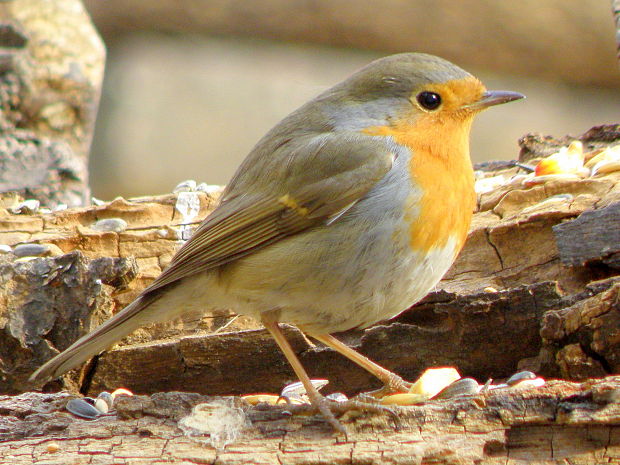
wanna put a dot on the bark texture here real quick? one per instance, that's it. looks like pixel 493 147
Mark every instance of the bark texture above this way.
pixel 561 423
pixel 51 70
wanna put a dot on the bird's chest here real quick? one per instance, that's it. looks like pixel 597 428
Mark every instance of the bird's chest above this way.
pixel 442 201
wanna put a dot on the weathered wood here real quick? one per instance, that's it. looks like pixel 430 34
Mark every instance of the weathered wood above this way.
pixel 508 303
pixel 522 45
pixel 52 62
pixel 559 423
pixel 47 303
pixel 537 145
pixel 581 341
pixel 592 237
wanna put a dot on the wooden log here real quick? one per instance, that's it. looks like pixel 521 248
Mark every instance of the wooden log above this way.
pixel 484 319
pixel 522 45
pixel 559 423
pixel 52 62
pixel 592 237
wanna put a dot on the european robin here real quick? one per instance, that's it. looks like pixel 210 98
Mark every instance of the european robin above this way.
pixel 344 214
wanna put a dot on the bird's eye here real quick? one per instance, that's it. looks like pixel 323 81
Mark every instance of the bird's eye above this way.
pixel 429 100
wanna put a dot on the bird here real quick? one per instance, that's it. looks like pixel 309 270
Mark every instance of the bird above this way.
pixel 346 213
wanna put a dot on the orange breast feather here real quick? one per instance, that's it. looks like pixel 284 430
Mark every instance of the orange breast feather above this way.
pixel 441 168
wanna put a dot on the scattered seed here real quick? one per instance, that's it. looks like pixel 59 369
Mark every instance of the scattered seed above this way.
pixel 337 396
pixel 434 380
pixel 569 160
pixel 520 376
pixel 107 398
pixel 185 186
pixel 101 405
pixel 461 387
pixel 27 207
pixel 82 408
pixel 298 391
pixel 208 188
pixel 405 398
pixel 121 392
pixel 110 224
pixel 31 250
pixel 529 383
pixel 53 447
pixel 271 399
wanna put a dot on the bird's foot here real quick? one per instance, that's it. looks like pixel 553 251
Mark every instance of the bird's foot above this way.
pixel 329 408
pixel 394 385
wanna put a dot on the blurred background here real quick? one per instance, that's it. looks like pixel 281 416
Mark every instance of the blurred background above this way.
pixel 191 85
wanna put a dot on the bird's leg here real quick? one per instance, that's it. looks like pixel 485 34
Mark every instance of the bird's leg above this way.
pixel 317 400
pixel 391 381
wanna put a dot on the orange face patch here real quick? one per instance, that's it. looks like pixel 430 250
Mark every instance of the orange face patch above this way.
pixel 456 93
pixel 440 165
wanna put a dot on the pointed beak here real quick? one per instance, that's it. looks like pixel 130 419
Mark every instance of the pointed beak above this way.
pixel 494 97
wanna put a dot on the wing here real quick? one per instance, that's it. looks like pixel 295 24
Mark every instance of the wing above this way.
pixel 306 182
pixel 309 182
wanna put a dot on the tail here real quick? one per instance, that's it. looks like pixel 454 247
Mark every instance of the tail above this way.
pixel 127 320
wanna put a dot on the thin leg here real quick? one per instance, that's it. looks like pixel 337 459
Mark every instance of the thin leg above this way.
pixel 392 381
pixel 317 400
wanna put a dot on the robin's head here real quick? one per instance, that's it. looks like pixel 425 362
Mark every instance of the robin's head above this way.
pixel 409 86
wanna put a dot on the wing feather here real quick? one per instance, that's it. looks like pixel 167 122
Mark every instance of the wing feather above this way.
pixel 247 221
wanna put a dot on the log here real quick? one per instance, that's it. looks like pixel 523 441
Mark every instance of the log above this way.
pixel 524 44
pixel 485 335
pixel 51 63
pixel 593 236
pixel 559 423
pixel 484 317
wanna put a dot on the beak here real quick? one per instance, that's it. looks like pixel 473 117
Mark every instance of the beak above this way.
pixel 494 97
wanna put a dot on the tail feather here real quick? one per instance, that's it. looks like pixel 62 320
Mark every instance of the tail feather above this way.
pixel 117 327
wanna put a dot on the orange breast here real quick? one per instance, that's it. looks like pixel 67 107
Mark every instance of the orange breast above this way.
pixel 441 168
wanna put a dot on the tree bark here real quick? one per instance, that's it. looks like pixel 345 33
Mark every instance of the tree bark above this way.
pixel 51 71
pixel 560 423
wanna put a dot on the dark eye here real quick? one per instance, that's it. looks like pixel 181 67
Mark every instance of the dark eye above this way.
pixel 429 100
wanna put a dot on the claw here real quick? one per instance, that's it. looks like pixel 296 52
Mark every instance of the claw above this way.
pixel 394 385
pixel 328 408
